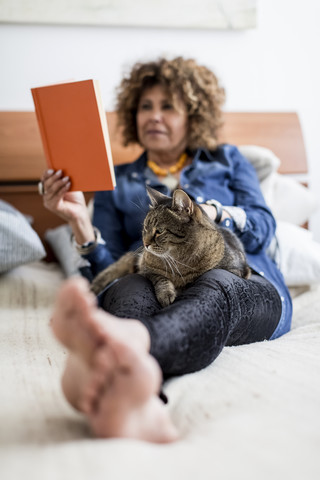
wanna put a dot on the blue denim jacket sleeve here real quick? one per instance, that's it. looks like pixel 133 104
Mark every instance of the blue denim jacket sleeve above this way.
pixel 108 221
pixel 260 224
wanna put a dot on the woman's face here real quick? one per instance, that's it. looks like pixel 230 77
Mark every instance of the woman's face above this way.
pixel 161 127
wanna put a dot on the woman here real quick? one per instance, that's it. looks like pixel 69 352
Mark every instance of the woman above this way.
pixel 115 367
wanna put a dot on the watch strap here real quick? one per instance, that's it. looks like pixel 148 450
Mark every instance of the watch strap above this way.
pixel 218 207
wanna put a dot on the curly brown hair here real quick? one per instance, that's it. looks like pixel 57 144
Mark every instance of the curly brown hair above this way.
pixel 196 85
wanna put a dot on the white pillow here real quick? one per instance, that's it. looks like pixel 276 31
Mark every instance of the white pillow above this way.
pixel 264 160
pixel 299 255
pixel 19 243
pixel 289 200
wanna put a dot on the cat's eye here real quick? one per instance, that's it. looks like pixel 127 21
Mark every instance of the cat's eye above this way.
pixel 178 235
pixel 159 231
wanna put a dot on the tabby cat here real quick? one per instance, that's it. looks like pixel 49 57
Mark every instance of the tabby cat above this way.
pixel 180 243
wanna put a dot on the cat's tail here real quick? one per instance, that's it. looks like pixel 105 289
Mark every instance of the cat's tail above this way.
pixel 246 271
pixel 125 265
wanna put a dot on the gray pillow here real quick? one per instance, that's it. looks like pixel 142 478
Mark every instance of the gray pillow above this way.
pixel 19 243
pixel 59 239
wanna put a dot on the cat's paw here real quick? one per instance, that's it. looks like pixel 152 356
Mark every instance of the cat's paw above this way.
pixel 166 298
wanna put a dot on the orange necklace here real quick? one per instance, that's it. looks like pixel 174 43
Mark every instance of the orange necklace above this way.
pixel 163 172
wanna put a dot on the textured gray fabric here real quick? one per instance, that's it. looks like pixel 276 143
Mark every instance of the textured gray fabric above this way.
pixel 238 215
pixel 19 243
pixel 59 239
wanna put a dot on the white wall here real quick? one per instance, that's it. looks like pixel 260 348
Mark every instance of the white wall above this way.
pixel 274 67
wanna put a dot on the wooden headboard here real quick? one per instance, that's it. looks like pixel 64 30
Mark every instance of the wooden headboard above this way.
pixel 22 159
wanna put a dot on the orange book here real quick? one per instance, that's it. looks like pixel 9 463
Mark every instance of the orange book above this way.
pixel 74 133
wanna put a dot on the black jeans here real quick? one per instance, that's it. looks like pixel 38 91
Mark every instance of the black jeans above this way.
pixel 218 309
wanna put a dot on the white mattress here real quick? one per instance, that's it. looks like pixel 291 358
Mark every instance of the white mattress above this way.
pixel 254 414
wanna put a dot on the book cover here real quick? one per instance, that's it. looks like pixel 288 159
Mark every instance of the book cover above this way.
pixel 74 133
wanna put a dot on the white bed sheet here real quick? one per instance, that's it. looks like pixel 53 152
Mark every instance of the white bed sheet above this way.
pixel 253 414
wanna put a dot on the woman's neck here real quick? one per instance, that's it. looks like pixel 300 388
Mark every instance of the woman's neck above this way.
pixel 165 159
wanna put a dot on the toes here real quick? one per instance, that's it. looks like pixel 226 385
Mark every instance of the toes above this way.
pixel 102 377
pixel 92 392
pixel 119 376
pixel 76 322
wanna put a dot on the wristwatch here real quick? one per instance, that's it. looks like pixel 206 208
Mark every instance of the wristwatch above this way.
pixel 87 247
pixel 218 207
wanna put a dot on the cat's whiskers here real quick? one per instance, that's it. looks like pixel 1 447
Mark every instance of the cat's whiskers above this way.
pixel 138 250
pixel 183 264
pixel 139 207
pixel 166 263
pixel 172 262
pixel 163 257
pixel 172 266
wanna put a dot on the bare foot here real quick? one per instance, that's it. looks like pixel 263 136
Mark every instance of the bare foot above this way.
pixel 72 311
pixel 110 375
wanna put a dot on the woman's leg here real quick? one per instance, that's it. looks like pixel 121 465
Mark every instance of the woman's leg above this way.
pixel 218 309
pixel 112 377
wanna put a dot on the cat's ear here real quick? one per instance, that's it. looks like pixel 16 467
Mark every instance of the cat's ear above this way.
pixel 155 196
pixel 182 202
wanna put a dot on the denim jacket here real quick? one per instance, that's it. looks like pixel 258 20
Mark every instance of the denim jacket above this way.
pixel 224 175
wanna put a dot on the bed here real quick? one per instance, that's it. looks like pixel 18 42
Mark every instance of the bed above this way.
pixel 253 414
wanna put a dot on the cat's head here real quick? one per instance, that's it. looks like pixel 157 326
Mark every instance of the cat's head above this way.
pixel 171 222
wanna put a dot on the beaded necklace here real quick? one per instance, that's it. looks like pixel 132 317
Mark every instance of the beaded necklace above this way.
pixel 163 172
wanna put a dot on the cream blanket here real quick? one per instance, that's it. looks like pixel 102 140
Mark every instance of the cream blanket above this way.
pixel 254 414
